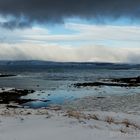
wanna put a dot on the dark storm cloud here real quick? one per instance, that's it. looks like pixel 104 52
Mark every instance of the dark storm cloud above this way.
pixel 14 24
pixel 55 11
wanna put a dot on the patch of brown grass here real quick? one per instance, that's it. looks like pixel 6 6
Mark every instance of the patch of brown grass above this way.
pixel 79 115
pixel 75 114
pixel 127 123
pixel 109 120
pixel 94 117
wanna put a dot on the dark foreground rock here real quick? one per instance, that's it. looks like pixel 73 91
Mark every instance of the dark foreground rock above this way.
pixel 14 96
pixel 7 75
pixel 104 84
pixel 131 80
pixel 120 82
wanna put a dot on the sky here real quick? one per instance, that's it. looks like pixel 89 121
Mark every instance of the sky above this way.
pixel 70 30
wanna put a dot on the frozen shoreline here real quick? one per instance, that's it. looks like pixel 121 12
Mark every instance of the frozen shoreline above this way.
pixel 56 124
pixel 88 118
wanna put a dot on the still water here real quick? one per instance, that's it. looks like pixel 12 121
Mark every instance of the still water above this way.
pixel 56 84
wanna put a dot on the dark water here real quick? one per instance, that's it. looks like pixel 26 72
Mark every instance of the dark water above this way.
pixel 55 83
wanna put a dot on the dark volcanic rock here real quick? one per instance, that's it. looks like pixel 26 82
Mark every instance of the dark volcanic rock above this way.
pixel 14 96
pixel 103 84
pixel 121 82
pixel 132 80
pixel 7 75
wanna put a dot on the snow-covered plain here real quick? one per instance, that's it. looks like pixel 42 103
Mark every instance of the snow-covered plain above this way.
pixel 44 124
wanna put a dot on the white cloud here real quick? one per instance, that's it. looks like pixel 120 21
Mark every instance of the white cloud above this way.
pixel 83 33
pixel 106 32
pixel 51 52
pixel 39 44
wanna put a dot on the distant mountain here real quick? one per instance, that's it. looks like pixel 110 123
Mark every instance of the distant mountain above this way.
pixel 36 63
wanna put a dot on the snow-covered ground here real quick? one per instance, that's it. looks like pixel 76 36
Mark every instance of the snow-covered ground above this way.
pixel 89 118
pixel 42 124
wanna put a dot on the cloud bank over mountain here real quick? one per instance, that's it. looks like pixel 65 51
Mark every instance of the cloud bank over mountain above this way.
pixel 49 52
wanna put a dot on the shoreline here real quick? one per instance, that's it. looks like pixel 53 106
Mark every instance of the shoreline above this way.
pixel 90 117
pixel 60 123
